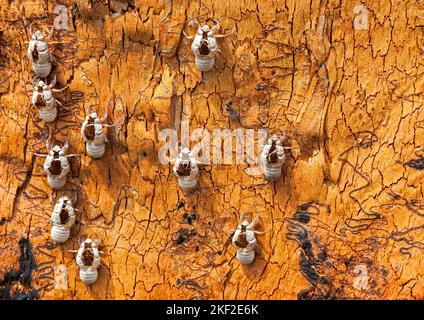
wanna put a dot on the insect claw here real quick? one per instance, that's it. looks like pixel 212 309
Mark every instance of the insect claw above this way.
pixel 216 27
pixel 255 220
pixel 65 146
pixel 78 117
pixel 60 103
pixel 97 242
pixel 53 83
pixel 194 23
pixel 105 116
pixel 80 240
pixel 187 37
pixel 242 216
pixel 50 34
pixel 30 28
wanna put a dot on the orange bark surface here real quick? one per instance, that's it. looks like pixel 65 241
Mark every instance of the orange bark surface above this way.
pixel 344 82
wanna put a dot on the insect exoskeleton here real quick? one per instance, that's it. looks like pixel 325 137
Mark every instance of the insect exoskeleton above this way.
pixel 39 54
pixel 62 219
pixel 94 137
pixel 44 100
pixel 244 239
pixel 273 158
pixel 204 45
pixel 57 165
pixel 186 169
pixel 88 260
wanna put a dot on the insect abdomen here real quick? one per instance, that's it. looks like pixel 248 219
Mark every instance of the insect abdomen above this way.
pixel 205 63
pixel 88 275
pixel 187 183
pixel 48 114
pixel 42 69
pixel 272 172
pixel 245 256
pixel 95 150
pixel 60 234
pixel 56 183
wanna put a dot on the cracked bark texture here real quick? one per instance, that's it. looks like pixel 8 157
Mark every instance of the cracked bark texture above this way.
pixel 350 99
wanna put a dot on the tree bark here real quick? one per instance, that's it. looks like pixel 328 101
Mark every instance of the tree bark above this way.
pixel 342 80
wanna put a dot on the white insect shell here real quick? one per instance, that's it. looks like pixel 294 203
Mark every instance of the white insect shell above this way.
pixel 272 170
pixel 205 62
pixel 95 147
pixel 39 54
pixel 186 182
pixel 246 254
pixel 61 229
pixel 55 180
pixel 48 107
pixel 88 273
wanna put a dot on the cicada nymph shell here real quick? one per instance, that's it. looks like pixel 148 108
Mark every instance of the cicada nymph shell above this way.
pixel 273 158
pixel 94 137
pixel 44 100
pixel 186 169
pixel 204 45
pixel 62 219
pixel 88 260
pixel 40 56
pixel 244 239
pixel 57 167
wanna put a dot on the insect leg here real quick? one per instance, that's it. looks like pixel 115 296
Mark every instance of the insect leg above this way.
pixel 60 90
pixel 220 36
pixel 188 37
pixel 40 155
